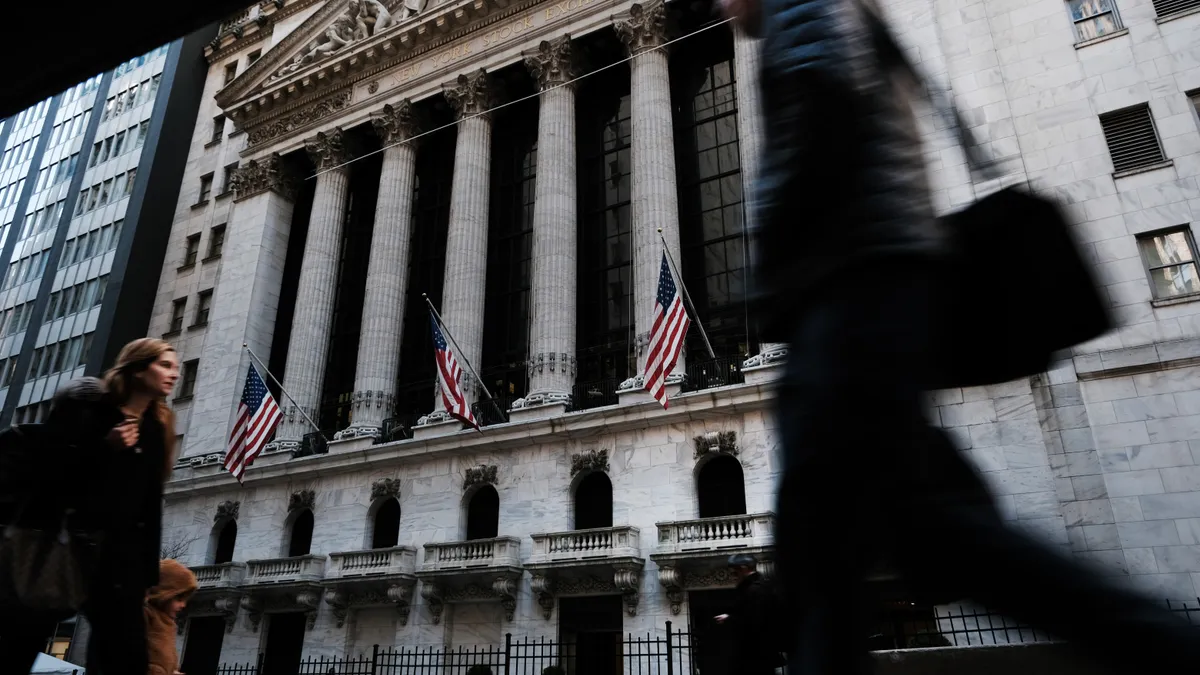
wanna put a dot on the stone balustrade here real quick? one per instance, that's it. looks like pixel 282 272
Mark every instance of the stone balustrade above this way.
pixel 286 570
pixel 375 562
pixel 496 552
pixel 224 575
pixel 602 542
pixel 712 534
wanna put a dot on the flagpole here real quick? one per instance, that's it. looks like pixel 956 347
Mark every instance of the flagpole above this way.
pixel 686 296
pixel 458 349
pixel 254 357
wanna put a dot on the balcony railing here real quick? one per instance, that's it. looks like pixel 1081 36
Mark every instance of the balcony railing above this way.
pixel 398 427
pixel 497 552
pixel 595 394
pixel 377 562
pixel 286 570
pixel 223 575
pixel 314 443
pixel 713 373
pixel 492 411
pixel 598 543
pixel 724 532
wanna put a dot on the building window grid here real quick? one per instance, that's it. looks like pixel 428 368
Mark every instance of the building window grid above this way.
pixel 187 380
pixel 1169 257
pixel 191 250
pixel 216 242
pixel 605 281
pixel 178 312
pixel 1132 138
pixel 1094 18
pixel 203 308
pixel 206 183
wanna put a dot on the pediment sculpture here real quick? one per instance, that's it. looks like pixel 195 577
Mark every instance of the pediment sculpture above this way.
pixel 362 19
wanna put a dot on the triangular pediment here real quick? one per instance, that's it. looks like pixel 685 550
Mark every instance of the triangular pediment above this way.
pixel 337 28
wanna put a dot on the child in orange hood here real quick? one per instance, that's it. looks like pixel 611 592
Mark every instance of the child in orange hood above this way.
pixel 176 584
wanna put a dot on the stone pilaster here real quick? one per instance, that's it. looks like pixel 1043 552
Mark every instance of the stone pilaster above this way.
pixel 387 274
pixel 747 57
pixel 245 300
pixel 466 240
pixel 552 324
pixel 313 319
pixel 655 200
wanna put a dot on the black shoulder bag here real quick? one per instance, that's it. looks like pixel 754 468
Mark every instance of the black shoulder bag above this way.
pixel 1015 290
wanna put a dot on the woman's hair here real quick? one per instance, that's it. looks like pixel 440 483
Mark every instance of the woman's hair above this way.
pixel 120 381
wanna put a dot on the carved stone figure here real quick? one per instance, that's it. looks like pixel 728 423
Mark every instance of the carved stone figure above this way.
pixel 645 28
pixel 372 18
pixel 412 8
pixel 362 19
pixel 552 65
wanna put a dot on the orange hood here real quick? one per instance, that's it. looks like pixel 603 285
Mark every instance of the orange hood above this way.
pixel 174 579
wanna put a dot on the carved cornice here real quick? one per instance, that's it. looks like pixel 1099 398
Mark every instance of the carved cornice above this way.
pixel 480 475
pixel 260 175
pixel 388 487
pixel 645 28
pixel 554 62
pixel 327 150
pixel 395 123
pixel 589 461
pixel 302 499
pixel 303 117
pixel 227 511
pixel 471 93
pixel 724 442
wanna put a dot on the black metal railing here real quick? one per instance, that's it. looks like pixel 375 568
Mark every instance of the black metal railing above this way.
pixel 314 443
pixel 595 394
pixel 489 411
pixel 239 668
pixel 398 427
pixel 712 373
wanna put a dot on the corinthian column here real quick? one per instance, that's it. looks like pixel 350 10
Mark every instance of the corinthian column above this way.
pixel 387 273
pixel 552 325
pixel 466 240
pixel 312 322
pixel 655 201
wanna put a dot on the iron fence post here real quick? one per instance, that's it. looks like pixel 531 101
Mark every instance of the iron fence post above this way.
pixel 507 652
pixel 259 668
pixel 670 657
pixel 374 659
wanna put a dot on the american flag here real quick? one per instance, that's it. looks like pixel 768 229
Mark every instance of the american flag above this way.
pixel 448 374
pixel 257 416
pixel 666 335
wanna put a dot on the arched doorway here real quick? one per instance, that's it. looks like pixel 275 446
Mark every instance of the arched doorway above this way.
pixel 594 502
pixel 385 531
pixel 483 514
pixel 226 539
pixel 300 541
pixel 721 488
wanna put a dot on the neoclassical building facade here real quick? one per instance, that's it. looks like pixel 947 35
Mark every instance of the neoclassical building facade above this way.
pixel 521 165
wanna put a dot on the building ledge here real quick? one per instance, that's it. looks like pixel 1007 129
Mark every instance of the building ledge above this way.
pixel 372 578
pixel 1144 169
pixel 200 204
pixel 471 571
pixel 1140 359
pixel 1175 300
pixel 1177 15
pixel 694 554
pixel 1102 38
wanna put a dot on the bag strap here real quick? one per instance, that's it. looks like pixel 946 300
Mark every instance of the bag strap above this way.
pixel 892 54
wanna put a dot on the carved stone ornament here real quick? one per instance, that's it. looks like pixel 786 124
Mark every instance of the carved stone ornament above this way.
pixel 388 487
pixel 432 593
pixel 480 475
pixel 303 499
pixel 362 19
pixel 645 28
pixel 471 94
pixel 373 87
pixel 395 123
pixel 327 150
pixel 543 587
pixel 768 357
pixel 227 511
pixel 628 580
pixel 724 442
pixel 303 117
pixel 593 460
pixel 261 175
pixel 672 581
pixel 553 64
pixel 506 588
pixel 560 361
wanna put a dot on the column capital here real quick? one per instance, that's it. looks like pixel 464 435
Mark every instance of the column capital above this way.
pixel 645 28
pixel 471 93
pixel 553 63
pixel 261 175
pixel 395 123
pixel 327 150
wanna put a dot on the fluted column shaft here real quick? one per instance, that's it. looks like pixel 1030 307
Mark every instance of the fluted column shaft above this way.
pixel 313 319
pixel 655 200
pixel 552 324
pixel 387 272
pixel 465 278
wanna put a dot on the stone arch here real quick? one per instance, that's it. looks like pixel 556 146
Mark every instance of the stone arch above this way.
pixel 384 519
pixel 592 501
pixel 720 486
pixel 298 532
pixel 481 512
pixel 222 541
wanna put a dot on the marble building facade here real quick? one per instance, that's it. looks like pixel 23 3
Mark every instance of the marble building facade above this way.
pixel 367 153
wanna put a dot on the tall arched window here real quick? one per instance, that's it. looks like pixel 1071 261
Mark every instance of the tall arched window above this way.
pixel 226 538
pixel 594 502
pixel 385 531
pixel 483 514
pixel 721 488
pixel 300 543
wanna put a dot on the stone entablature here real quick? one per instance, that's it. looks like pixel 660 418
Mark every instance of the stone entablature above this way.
pixel 417 56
